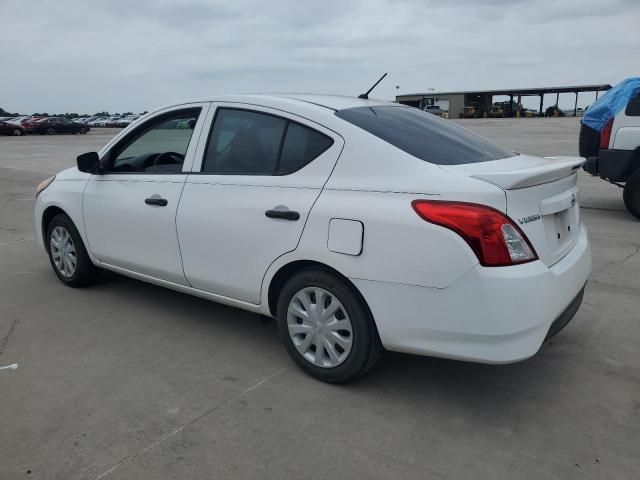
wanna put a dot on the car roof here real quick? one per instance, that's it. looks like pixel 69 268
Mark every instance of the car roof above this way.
pixel 334 102
pixel 331 102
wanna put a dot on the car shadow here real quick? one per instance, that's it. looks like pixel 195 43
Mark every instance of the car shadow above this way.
pixel 480 387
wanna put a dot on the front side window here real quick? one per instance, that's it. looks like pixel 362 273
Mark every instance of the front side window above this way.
pixel 158 146
pixel 423 135
pixel 245 142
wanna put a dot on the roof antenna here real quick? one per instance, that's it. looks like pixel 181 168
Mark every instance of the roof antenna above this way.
pixel 366 95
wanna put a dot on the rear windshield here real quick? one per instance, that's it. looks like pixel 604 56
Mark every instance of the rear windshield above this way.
pixel 423 135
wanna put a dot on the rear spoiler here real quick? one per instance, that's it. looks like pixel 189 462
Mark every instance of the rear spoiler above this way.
pixel 560 167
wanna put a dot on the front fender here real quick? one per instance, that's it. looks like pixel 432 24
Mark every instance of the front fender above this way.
pixel 67 195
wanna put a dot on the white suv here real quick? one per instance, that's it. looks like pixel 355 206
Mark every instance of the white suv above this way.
pixel 357 224
pixel 614 153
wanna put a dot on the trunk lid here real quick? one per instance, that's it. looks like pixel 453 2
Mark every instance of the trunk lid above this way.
pixel 542 198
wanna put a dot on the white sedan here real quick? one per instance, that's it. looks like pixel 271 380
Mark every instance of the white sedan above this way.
pixel 360 225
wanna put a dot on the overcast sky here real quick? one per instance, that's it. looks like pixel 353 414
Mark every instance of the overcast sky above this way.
pixel 88 56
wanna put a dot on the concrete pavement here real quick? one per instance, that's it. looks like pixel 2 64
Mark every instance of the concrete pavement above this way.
pixel 126 380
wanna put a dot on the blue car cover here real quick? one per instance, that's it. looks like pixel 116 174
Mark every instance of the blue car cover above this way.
pixel 611 103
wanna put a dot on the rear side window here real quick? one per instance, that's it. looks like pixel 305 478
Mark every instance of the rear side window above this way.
pixel 633 107
pixel 423 135
pixel 244 142
pixel 301 145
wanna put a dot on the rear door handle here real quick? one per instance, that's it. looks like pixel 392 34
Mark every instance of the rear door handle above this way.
pixel 282 213
pixel 161 202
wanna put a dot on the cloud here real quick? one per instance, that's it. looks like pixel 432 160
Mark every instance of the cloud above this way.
pixel 124 55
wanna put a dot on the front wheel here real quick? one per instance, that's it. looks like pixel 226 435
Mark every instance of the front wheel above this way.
pixel 67 253
pixel 50 131
pixel 17 132
pixel 631 194
pixel 326 327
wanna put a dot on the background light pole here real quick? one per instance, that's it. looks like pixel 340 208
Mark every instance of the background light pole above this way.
pixel 397 91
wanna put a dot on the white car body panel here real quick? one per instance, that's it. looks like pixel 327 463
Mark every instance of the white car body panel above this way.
pixel 398 246
pixel 345 236
pixel 490 315
pixel 627 138
pixel 424 285
pixel 125 232
pixel 625 132
pixel 542 197
pixel 66 193
pixel 213 238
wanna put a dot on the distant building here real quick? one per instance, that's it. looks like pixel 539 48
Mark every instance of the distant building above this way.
pixel 480 103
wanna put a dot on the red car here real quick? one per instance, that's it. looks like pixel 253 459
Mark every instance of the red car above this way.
pixel 11 129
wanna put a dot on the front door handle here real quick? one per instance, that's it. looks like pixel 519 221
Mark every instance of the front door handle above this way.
pixel 159 201
pixel 280 212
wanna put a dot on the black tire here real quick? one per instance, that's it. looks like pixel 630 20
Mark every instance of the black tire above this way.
pixel 17 132
pixel 51 131
pixel 366 346
pixel 631 194
pixel 85 272
pixel 83 130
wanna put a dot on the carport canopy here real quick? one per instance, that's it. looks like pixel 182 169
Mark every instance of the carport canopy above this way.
pixel 513 93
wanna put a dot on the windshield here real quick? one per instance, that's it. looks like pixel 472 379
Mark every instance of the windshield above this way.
pixel 423 135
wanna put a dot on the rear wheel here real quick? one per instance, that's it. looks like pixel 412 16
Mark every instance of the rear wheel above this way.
pixel 50 131
pixel 326 327
pixel 83 130
pixel 17 132
pixel 631 194
pixel 67 253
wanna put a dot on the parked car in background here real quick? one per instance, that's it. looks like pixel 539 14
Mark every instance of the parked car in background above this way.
pixel 124 122
pixel 24 121
pixel 449 245
pixel 553 111
pixel 610 140
pixel 434 110
pixel 19 120
pixel 112 122
pixel 27 123
pixel 469 112
pixel 129 120
pixel 496 112
pixel 7 128
pixel 84 120
pixel 53 125
pixel 97 122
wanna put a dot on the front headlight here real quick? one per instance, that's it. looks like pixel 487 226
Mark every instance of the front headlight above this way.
pixel 44 184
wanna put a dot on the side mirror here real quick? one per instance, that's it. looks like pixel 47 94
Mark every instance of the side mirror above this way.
pixel 89 163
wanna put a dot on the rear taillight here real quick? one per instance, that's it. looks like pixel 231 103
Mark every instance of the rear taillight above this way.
pixel 605 134
pixel 493 237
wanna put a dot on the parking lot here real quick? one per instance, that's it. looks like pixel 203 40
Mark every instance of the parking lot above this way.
pixel 126 380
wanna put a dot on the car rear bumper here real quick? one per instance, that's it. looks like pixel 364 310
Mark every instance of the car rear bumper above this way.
pixel 615 165
pixel 490 315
